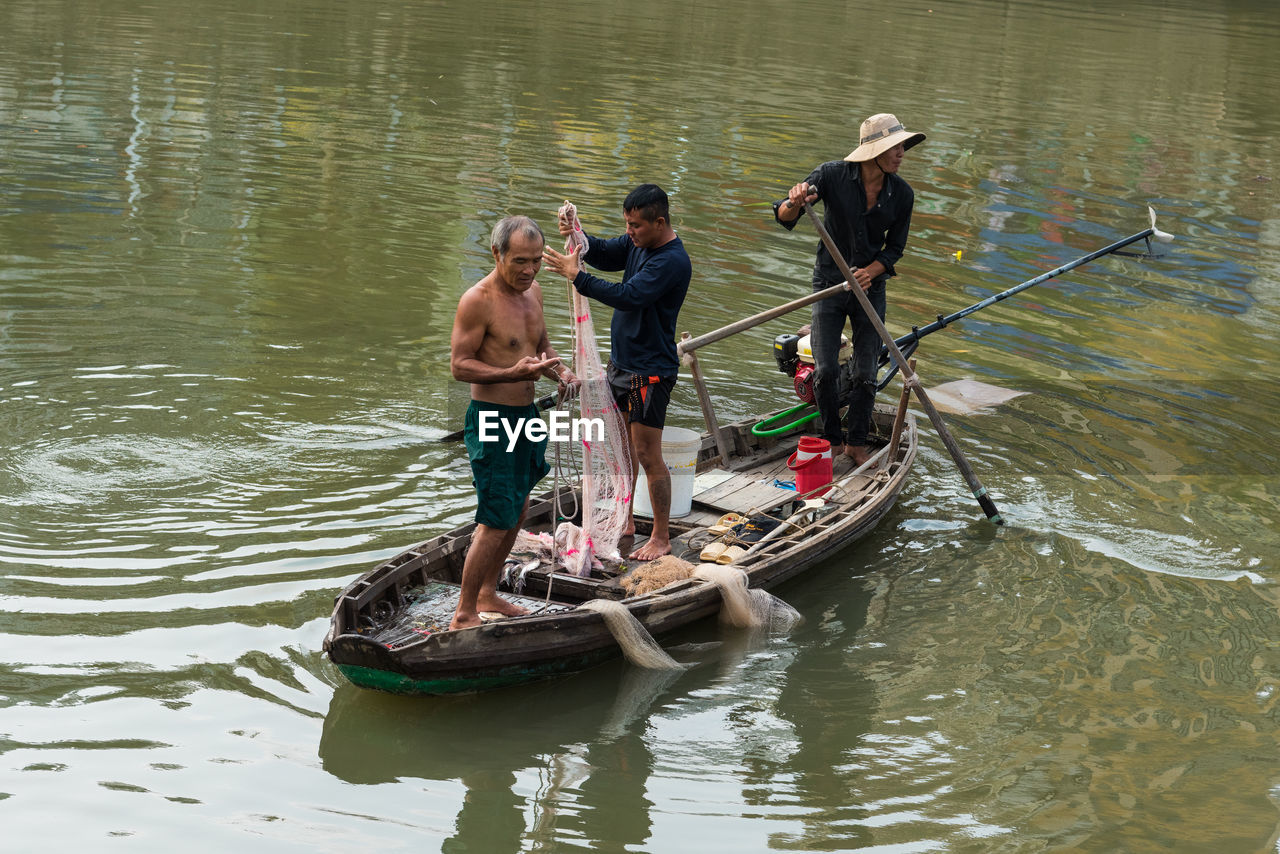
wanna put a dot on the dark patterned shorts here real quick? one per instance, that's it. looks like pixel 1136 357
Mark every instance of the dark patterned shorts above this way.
pixel 644 399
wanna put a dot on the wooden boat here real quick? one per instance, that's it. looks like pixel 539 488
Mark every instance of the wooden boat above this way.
pixel 389 628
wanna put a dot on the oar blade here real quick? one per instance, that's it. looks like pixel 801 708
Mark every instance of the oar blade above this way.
pixel 1162 236
pixel 969 397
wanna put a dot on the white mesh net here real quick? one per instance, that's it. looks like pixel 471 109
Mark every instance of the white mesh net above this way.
pixel 606 465
pixel 637 644
pixel 746 607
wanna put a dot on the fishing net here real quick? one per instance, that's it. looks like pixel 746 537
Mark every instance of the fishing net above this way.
pixel 426 609
pixel 606 464
pixel 745 607
pixel 655 575
pixel 637 644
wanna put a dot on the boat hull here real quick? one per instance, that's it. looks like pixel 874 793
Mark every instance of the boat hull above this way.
pixel 570 639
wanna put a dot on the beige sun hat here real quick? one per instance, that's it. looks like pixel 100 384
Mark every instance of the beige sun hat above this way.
pixel 880 133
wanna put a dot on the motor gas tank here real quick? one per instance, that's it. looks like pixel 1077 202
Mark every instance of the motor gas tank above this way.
pixel 805 352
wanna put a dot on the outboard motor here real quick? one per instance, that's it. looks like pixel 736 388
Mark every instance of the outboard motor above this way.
pixel 786 352
pixel 795 359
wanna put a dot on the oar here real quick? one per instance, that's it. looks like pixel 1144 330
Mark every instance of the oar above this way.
pixel 543 405
pixel 909 377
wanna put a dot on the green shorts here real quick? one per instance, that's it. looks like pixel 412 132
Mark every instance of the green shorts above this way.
pixel 503 479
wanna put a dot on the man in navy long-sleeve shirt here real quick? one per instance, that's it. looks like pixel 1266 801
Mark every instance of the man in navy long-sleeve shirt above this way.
pixel 643 364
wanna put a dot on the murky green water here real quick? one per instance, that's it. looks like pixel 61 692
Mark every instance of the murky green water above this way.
pixel 232 235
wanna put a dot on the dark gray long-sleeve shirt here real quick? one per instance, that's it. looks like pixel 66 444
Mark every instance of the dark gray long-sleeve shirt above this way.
pixel 862 235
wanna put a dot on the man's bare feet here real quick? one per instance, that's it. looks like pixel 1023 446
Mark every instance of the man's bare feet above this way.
pixel 464 621
pixel 495 604
pixel 859 453
pixel 500 605
pixel 651 550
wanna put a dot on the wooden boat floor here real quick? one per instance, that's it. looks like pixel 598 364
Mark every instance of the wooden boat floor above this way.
pixel 430 608
pixel 738 492
pixel 717 491
pixel 755 487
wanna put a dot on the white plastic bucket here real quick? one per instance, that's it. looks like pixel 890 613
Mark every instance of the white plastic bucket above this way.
pixel 680 453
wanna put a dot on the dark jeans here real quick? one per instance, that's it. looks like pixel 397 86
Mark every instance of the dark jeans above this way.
pixel 829 317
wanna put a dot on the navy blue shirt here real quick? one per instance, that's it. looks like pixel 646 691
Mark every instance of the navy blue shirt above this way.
pixel 645 303
pixel 861 235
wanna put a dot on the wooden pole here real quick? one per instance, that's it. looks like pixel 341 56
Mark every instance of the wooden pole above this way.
pixel 688 345
pixel 900 418
pixel 909 378
pixel 704 400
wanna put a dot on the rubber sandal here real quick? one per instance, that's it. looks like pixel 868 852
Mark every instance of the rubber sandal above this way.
pixel 711 552
pixel 730 555
pixel 727 521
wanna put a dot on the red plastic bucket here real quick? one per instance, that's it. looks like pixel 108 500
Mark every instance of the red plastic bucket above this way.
pixel 812 464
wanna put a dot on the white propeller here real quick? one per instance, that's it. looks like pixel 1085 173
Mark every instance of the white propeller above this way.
pixel 1162 236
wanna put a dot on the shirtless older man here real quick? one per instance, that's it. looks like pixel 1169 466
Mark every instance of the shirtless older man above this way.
pixel 499 345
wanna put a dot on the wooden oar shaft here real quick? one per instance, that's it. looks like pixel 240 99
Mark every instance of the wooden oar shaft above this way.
pixel 908 375
pixel 690 360
pixel 688 345
pixel 900 418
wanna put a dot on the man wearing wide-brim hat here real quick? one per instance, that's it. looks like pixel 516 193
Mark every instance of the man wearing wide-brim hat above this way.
pixel 867 210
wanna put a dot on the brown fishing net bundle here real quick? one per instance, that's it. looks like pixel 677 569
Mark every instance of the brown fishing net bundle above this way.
pixel 656 574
